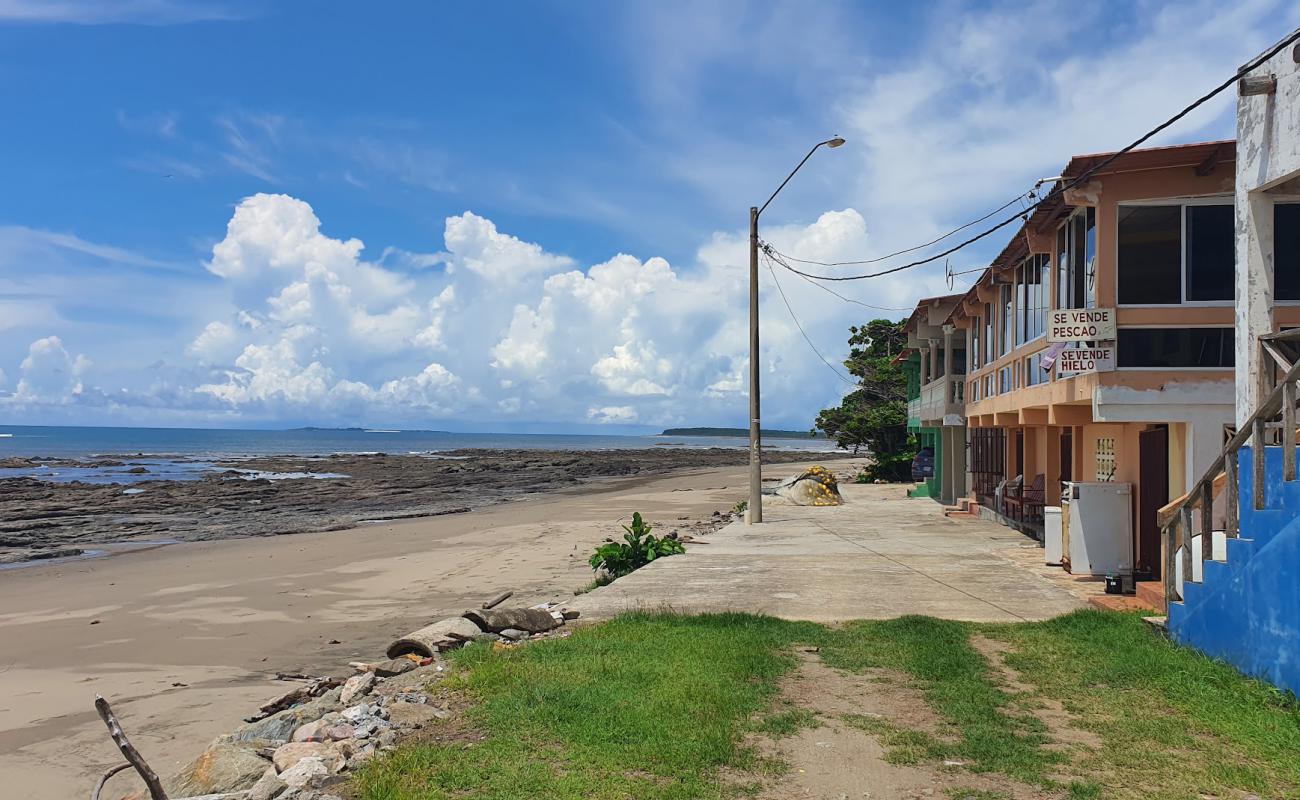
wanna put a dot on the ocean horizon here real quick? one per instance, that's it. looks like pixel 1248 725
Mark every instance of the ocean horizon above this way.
pixel 77 442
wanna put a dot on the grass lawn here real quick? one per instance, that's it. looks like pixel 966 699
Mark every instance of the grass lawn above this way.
pixel 657 706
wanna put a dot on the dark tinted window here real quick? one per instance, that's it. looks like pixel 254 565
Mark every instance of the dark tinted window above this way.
pixel 1211 252
pixel 1286 254
pixel 1150 254
pixel 1175 347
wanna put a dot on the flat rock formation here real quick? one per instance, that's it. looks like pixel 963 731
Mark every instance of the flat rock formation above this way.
pixel 40 518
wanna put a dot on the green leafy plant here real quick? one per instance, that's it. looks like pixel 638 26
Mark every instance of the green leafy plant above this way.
pixel 740 507
pixel 638 548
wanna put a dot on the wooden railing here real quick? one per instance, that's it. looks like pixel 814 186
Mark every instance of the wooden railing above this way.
pixel 1273 423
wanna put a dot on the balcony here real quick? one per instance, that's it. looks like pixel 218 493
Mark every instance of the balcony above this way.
pixel 942 402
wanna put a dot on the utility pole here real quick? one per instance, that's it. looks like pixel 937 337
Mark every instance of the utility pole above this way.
pixel 754 508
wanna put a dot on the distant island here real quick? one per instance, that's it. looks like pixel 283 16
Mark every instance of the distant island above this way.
pixel 771 434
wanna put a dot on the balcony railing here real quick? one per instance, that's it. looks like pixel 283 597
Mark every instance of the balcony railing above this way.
pixel 942 397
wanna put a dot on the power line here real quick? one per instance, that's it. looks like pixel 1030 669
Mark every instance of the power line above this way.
pixel 786 300
pixel 1018 198
pixel 1060 186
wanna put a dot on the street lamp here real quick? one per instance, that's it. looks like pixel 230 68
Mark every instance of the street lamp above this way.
pixel 755 505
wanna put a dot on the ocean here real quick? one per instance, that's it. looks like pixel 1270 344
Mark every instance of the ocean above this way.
pixel 188 453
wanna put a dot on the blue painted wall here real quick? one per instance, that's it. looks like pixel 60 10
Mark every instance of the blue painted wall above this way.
pixel 1247 611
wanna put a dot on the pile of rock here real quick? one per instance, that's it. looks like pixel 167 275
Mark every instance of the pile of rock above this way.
pixel 306 741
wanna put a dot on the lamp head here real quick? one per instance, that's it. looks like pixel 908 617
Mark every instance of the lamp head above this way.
pixel 836 142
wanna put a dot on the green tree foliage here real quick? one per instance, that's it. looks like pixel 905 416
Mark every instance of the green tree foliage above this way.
pixel 874 415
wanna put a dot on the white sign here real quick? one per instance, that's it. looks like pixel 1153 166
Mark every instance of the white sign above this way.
pixel 1079 360
pixel 1081 325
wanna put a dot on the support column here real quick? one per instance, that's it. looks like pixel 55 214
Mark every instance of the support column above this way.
pixel 1254 295
pixel 947 349
pixel 926 358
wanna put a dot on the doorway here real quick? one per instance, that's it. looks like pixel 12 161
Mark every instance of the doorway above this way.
pixel 1153 494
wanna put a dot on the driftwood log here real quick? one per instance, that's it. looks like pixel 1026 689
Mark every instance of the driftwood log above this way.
pixel 132 755
pixel 498 600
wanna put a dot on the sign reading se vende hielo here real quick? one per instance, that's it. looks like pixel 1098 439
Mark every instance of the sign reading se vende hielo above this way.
pixel 1081 360
pixel 1081 325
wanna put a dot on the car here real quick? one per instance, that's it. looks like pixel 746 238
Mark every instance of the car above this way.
pixel 923 464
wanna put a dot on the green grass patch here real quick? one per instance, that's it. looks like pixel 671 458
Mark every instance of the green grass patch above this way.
pixel 954 678
pixel 657 706
pixel 645 706
pixel 1171 722
pixel 781 724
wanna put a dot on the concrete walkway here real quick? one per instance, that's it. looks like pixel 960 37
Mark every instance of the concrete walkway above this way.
pixel 878 556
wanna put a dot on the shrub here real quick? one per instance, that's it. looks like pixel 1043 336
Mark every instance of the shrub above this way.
pixel 638 548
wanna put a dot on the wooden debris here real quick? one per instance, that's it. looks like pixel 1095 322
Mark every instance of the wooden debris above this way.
pixel 301 694
pixel 129 752
pixel 498 600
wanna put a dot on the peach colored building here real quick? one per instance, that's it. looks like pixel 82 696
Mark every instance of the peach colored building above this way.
pixel 1137 266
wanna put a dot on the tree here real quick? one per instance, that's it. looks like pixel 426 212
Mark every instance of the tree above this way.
pixel 874 415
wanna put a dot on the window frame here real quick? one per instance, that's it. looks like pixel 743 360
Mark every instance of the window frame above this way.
pixel 1118 368
pixel 1182 203
pixel 1282 200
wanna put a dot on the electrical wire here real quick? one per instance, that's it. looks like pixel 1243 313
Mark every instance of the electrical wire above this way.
pixel 1018 198
pixel 788 308
pixel 1060 188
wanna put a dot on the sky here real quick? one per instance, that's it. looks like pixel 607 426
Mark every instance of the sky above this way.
pixel 525 216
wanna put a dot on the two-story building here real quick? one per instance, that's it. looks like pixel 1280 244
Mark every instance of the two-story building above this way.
pixel 1101 338
pixel 935 361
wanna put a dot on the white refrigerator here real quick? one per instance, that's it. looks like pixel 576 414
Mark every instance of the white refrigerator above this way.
pixel 1097 525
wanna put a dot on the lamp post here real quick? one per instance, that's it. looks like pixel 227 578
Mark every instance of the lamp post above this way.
pixel 755 505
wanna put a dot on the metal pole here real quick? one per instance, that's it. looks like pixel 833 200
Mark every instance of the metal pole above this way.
pixel 755 506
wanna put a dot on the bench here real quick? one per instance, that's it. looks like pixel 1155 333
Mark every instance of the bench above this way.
pixel 1024 504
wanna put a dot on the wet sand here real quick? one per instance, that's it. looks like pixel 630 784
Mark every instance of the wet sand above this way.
pixel 190 636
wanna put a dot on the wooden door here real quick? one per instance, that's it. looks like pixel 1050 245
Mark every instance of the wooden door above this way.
pixel 1153 493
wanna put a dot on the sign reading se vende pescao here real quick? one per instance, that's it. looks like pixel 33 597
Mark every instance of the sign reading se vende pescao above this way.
pixel 1081 325
pixel 1082 360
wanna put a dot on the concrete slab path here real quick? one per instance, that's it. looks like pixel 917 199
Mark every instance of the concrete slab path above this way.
pixel 878 556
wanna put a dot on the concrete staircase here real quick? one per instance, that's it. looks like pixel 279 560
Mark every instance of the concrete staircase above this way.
pixel 1243 603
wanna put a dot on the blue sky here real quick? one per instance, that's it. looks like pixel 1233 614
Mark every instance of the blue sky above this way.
pixel 551 196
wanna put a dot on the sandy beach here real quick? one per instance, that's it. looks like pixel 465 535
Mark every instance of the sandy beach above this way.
pixel 186 639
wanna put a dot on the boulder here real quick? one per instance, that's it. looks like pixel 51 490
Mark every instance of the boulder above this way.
pixel 286 756
pixel 301 773
pixel 316 731
pixel 514 634
pixel 278 728
pixel 813 487
pixel 223 767
pixel 530 620
pixel 357 686
pixel 412 716
pixel 442 634
pixel 268 787
pixel 396 666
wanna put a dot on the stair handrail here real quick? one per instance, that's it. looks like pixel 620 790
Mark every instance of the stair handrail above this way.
pixel 1176 531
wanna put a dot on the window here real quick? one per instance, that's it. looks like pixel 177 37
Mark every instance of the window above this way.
pixel 1175 347
pixel 1286 251
pixel 1150 254
pixel 1034 373
pixel 1031 311
pixel 1176 253
pixel 1211 252
pixel 1008 318
pixel 975 329
pixel 974 391
pixel 988 333
pixel 1076 260
pixel 1004 380
pixel 958 362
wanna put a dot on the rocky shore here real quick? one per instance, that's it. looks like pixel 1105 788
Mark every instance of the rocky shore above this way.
pixel 41 519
